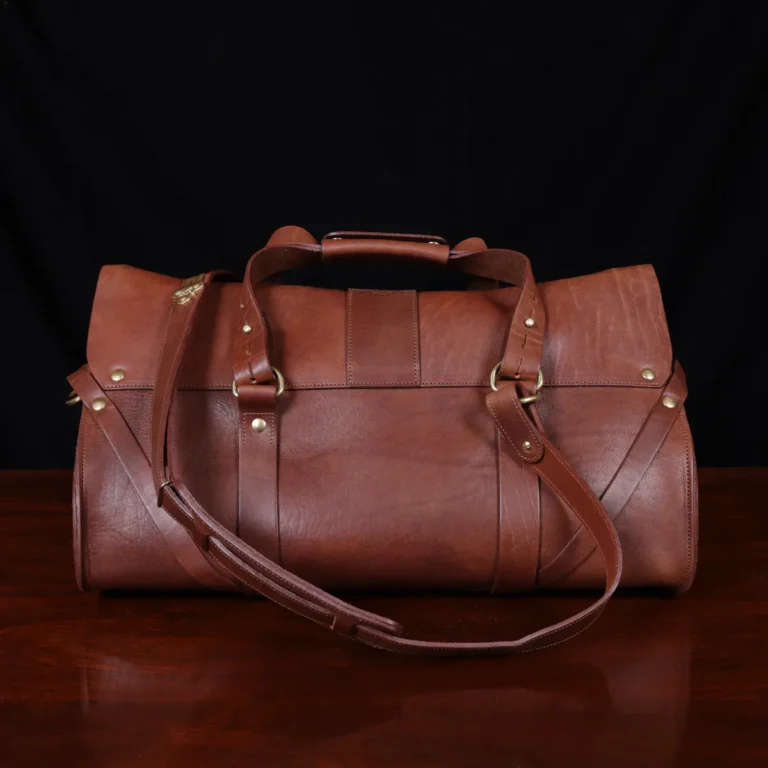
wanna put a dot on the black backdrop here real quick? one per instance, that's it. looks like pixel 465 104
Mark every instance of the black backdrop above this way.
pixel 175 136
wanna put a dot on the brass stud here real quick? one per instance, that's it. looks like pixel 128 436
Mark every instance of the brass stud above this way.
pixel 258 425
pixel 117 375
pixel 669 401
pixel 648 373
pixel 527 446
pixel 529 322
pixel 247 328
pixel 99 404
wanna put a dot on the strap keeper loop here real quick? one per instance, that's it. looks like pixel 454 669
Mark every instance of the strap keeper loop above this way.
pixel 160 492
pixel 344 625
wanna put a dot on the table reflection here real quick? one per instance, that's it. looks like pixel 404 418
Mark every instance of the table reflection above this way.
pixel 286 697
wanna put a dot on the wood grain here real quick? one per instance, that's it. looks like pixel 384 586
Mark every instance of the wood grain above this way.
pixel 169 680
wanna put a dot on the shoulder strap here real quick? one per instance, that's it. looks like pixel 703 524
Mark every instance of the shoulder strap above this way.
pixel 522 438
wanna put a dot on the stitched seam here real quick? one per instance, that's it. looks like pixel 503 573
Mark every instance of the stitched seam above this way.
pixel 183 339
pixel 345 609
pixel 524 418
pixel 270 417
pixel 289 598
pixel 415 340
pixel 513 646
pixel 404 383
pixel 349 338
pixel 497 559
pixel 688 500
pixel 563 640
pixel 159 362
pixel 628 383
pixel 84 541
pixel 259 566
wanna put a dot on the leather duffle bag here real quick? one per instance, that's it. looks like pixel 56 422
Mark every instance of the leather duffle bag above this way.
pixel 286 440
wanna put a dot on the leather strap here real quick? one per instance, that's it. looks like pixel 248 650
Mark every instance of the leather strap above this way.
pixel 258 468
pixel 131 456
pixel 243 563
pixel 523 348
pixel 519 509
pixel 660 420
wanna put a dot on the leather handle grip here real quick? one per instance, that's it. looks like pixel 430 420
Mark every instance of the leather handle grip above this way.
pixel 384 246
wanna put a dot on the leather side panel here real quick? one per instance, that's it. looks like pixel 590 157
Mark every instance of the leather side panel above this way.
pixel 121 546
pixel 594 428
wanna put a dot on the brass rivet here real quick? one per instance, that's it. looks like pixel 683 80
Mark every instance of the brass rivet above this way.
pixel 648 373
pixel 258 425
pixel 247 328
pixel 668 401
pixel 529 322
pixel 117 375
pixel 527 445
pixel 99 404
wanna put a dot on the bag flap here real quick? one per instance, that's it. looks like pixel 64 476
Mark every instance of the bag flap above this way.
pixel 602 330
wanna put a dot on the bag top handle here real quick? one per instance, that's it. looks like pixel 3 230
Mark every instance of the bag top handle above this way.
pixel 384 246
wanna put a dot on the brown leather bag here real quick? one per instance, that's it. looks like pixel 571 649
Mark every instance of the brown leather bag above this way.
pixel 271 438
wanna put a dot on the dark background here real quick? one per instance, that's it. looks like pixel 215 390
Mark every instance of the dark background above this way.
pixel 177 136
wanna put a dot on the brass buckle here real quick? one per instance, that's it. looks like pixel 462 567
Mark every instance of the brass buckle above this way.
pixel 278 378
pixel 524 400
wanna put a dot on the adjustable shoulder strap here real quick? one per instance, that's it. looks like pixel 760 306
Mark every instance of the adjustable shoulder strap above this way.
pixel 240 562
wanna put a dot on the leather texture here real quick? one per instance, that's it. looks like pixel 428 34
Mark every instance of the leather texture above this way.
pixel 388 461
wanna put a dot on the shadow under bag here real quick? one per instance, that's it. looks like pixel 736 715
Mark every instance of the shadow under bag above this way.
pixel 284 440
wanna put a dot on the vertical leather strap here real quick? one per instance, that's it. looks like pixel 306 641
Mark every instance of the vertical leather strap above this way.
pixel 258 509
pixel 517 559
pixel 382 339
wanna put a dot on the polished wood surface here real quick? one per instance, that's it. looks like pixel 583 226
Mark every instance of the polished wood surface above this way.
pixel 194 680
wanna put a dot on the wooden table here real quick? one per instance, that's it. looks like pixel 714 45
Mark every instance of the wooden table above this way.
pixel 166 680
